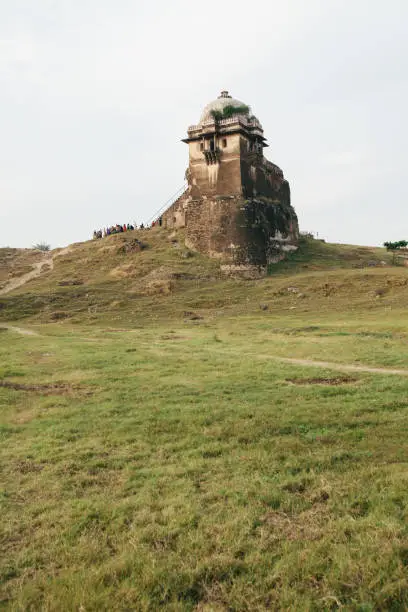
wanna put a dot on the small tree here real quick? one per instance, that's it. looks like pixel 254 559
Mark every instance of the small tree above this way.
pixel 395 246
pixel 42 246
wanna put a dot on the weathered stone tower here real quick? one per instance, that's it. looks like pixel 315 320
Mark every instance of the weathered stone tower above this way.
pixel 237 203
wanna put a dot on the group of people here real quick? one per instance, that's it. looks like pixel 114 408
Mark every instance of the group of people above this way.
pixel 126 227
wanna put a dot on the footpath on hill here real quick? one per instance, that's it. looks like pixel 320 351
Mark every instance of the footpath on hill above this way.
pixel 46 265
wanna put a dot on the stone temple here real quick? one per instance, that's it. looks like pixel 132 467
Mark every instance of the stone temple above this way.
pixel 237 203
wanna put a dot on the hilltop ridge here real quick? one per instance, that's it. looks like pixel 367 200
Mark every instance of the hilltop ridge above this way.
pixel 150 273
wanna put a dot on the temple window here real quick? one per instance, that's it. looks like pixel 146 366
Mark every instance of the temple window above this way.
pixel 201 146
pixel 224 143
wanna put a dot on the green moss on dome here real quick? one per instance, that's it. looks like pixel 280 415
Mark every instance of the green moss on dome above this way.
pixel 230 111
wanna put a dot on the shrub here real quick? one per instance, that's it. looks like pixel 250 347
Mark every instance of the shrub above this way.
pixel 42 246
pixel 230 111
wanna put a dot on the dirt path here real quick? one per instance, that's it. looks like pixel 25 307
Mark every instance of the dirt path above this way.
pixel 47 264
pixel 328 365
pixel 63 251
pixel 341 367
pixel 19 330
pixel 38 268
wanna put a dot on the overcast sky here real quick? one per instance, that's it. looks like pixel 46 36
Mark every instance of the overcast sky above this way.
pixel 95 96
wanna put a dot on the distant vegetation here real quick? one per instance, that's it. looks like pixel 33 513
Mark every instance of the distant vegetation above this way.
pixel 395 246
pixel 42 246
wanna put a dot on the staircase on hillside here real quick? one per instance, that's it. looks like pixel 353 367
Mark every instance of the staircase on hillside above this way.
pixel 172 201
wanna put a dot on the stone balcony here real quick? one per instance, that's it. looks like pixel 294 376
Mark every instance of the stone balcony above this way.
pixel 211 125
pixel 212 157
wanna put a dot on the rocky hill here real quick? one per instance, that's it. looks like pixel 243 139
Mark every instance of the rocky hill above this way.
pixel 150 274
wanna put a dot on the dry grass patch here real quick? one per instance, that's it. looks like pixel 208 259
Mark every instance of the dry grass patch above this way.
pixel 309 525
pixel 123 271
pixel 162 287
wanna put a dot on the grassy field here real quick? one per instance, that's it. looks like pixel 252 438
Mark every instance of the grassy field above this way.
pixel 158 452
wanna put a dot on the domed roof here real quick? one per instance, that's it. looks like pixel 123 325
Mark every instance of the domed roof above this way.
pixel 219 104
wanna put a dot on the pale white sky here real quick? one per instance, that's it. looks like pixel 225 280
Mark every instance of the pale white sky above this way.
pixel 95 96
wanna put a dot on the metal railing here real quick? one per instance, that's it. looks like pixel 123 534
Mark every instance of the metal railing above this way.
pixel 168 203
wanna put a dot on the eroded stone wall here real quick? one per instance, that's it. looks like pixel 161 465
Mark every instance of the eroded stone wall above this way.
pixel 213 225
pixel 240 231
pixel 237 206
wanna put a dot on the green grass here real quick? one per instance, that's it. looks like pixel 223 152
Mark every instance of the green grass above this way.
pixel 317 255
pixel 180 467
pixel 153 460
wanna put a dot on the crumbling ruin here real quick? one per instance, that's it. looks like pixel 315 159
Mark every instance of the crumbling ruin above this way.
pixel 237 204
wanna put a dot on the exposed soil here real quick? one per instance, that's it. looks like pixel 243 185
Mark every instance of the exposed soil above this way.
pixel 174 337
pixel 26 466
pixel 46 264
pixel 338 380
pixel 18 330
pixel 341 367
pixel 192 316
pixel 46 388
